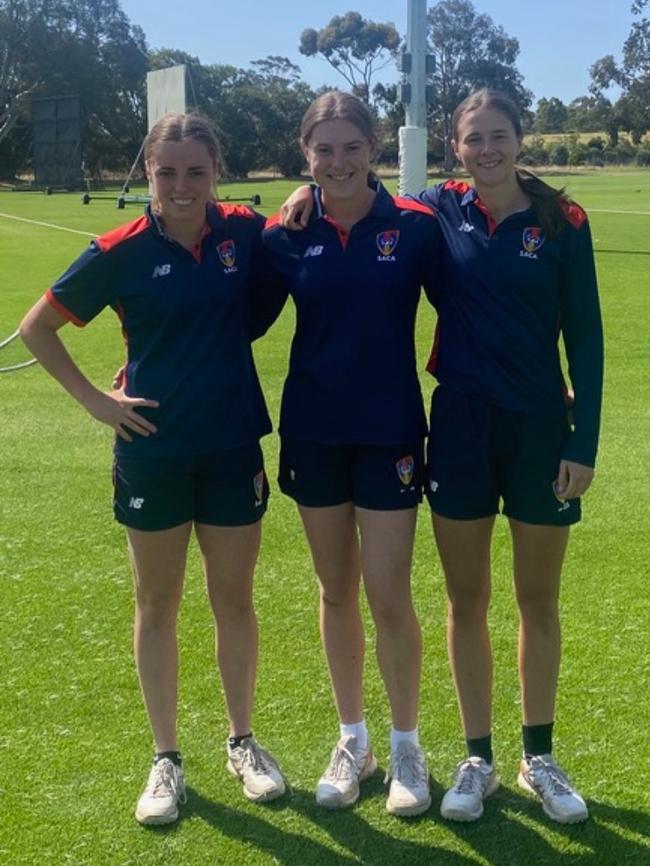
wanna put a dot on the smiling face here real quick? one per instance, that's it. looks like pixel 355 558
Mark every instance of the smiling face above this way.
pixel 487 145
pixel 183 176
pixel 339 156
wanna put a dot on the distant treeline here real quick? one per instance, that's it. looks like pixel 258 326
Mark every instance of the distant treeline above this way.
pixel 91 50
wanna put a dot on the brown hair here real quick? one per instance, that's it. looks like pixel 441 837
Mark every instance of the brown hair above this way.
pixel 337 105
pixel 177 127
pixel 546 200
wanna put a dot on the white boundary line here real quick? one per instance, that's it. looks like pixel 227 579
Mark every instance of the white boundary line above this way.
pixel 48 225
pixel 601 210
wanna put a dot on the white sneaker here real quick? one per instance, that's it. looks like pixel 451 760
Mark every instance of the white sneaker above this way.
pixel 257 769
pixel 475 780
pixel 338 787
pixel 540 775
pixel 409 792
pixel 165 789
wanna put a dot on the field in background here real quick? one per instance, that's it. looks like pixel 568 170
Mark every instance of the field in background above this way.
pixel 74 742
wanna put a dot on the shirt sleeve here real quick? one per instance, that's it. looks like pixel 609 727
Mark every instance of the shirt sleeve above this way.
pixel 581 326
pixel 83 291
pixel 429 196
pixel 268 293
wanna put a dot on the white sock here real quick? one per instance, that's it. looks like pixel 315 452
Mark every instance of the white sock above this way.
pixel 358 731
pixel 397 737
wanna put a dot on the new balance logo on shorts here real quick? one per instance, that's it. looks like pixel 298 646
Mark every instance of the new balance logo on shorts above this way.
pixel 136 502
pixel 161 271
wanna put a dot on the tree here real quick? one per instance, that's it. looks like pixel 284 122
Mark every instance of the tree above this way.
pixel 256 111
pixel 386 99
pixel 591 114
pixel 471 52
pixel 85 48
pixel 356 47
pixel 19 77
pixel 632 74
pixel 281 100
pixel 551 115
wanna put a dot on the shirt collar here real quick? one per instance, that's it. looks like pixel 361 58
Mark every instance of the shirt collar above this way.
pixel 382 206
pixel 470 195
pixel 213 219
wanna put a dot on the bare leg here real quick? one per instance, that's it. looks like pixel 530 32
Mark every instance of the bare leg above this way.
pixel 158 560
pixel 538 557
pixel 386 554
pixel 229 556
pixel 333 540
pixel 464 547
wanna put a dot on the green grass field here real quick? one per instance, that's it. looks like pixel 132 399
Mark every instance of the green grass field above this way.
pixel 74 741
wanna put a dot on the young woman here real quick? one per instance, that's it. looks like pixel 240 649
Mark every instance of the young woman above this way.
pixel 517 271
pixel 352 427
pixel 188 419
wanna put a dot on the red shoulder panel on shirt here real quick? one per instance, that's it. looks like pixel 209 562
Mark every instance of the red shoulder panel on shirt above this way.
pixel 573 213
pixel 63 311
pixel 460 186
pixel 410 204
pixel 273 220
pixel 122 233
pixel 226 210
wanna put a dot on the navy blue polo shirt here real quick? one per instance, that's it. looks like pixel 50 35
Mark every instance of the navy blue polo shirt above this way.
pixel 185 319
pixel 352 371
pixel 506 293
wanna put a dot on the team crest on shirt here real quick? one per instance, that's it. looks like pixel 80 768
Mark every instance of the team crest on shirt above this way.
pixel 532 239
pixel 405 467
pixel 228 255
pixel 258 487
pixel 386 244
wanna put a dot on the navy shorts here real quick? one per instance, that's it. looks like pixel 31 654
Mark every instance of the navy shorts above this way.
pixel 482 459
pixel 378 477
pixel 225 488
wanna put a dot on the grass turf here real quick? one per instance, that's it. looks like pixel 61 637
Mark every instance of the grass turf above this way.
pixel 74 741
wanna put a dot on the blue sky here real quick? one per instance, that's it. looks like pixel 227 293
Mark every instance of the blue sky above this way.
pixel 559 39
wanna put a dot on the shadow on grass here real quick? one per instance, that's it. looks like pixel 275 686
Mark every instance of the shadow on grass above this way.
pixel 514 830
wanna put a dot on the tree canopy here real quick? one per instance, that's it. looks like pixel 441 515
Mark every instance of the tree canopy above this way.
pixel 356 47
pixel 89 48
pixel 632 74
pixel 471 51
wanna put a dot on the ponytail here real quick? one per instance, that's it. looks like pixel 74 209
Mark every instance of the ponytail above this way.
pixel 547 202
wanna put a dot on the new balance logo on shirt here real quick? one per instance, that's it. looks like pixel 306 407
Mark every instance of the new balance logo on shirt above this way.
pixel 313 251
pixel 465 227
pixel 161 271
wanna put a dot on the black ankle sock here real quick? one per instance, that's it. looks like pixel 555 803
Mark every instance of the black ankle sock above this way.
pixel 234 742
pixel 480 747
pixel 538 739
pixel 174 757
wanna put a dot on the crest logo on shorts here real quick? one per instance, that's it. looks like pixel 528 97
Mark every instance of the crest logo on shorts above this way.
pixel 258 487
pixel 386 244
pixel 532 239
pixel 227 254
pixel 405 468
